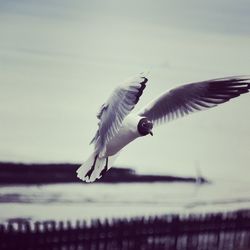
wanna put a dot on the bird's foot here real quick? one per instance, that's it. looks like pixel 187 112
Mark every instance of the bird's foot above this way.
pixel 104 171
pixel 89 173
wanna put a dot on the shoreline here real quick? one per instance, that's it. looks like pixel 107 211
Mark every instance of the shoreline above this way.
pixel 48 173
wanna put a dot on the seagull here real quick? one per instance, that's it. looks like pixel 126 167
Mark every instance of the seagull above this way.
pixel 118 126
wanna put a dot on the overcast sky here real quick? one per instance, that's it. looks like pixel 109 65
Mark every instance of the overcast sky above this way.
pixel 60 60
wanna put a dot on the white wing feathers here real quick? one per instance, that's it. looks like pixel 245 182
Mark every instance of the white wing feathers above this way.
pixel 194 97
pixel 113 112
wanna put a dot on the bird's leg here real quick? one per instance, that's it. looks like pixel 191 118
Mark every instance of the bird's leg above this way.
pixel 105 168
pixel 89 173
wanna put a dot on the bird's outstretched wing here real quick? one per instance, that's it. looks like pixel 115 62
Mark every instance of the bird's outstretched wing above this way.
pixel 194 97
pixel 113 112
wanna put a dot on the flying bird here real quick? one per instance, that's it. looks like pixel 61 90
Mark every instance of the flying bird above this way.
pixel 118 126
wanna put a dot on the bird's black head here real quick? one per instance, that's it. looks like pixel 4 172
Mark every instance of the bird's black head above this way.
pixel 144 127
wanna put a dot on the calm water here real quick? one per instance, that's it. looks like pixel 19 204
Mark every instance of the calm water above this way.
pixel 78 201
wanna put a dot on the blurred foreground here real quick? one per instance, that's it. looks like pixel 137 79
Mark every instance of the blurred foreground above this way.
pixel 228 231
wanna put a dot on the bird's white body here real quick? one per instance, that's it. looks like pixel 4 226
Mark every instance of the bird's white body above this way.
pixel 126 134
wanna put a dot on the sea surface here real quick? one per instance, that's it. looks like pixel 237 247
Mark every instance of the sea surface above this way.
pixel 90 201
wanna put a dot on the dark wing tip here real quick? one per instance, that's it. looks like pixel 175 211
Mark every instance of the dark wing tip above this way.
pixel 145 79
pixel 140 90
pixel 229 87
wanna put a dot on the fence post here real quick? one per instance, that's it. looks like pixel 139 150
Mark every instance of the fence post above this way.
pixel 175 228
pixel 106 234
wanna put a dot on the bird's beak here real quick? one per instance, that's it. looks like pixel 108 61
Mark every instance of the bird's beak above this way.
pixel 151 133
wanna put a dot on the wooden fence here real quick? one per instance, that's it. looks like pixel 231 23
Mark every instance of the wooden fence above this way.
pixel 229 231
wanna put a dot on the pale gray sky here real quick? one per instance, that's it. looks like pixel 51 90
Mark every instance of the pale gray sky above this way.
pixel 60 60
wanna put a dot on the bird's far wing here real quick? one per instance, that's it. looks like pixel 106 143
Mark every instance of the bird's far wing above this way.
pixel 113 112
pixel 194 97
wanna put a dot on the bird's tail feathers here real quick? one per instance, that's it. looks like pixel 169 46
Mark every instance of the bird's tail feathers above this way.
pixel 95 167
